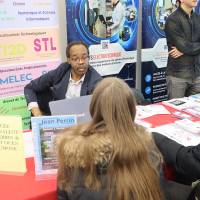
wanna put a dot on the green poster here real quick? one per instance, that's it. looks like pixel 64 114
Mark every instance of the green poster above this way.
pixel 16 106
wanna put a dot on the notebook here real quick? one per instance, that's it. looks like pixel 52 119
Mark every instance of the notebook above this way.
pixel 78 106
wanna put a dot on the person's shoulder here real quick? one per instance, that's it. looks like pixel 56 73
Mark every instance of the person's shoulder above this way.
pixel 94 73
pixel 172 20
pixel 144 134
pixel 61 70
pixel 174 15
pixel 70 133
pixel 64 65
pixel 76 146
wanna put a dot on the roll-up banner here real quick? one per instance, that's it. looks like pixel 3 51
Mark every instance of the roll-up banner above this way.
pixel 197 9
pixel 109 31
pixel 154 48
pixel 29 47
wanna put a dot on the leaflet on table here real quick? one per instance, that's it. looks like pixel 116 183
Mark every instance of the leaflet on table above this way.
pixel 12 159
pixel 181 103
pixel 45 129
pixel 185 132
pixel 193 110
pixel 150 110
pixel 143 123
pixel 195 97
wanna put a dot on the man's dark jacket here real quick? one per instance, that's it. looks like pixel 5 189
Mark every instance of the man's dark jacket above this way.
pixel 53 86
pixel 183 32
pixel 185 160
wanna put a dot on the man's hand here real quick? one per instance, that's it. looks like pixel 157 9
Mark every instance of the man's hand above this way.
pixel 36 112
pixel 175 53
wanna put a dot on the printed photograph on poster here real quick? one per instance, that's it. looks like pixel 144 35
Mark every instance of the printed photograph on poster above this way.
pixel 45 129
pixel 109 28
pixel 47 136
pixel 94 20
pixel 154 15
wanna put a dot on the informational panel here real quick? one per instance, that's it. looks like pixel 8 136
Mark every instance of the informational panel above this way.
pixel 109 31
pixel 12 160
pixel 154 48
pixel 29 45
pixel 45 130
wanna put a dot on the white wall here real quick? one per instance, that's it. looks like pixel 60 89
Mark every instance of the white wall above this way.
pixel 62 25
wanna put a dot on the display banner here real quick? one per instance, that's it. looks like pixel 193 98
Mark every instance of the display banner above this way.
pixel 154 48
pixel 109 31
pixel 197 9
pixel 18 46
pixel 29 47
pixel 13 78
pixel 28 14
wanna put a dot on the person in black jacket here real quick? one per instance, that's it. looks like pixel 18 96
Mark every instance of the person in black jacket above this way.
pixel 71 79
pixel 184 160
pixel 182 30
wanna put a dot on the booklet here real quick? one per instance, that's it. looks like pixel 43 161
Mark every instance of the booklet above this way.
pixel 45 129
pixel 12 159
pixel 178 104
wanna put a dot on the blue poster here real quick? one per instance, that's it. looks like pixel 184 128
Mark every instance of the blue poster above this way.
pixel 154 48
pixel 197 9
pixel 109 28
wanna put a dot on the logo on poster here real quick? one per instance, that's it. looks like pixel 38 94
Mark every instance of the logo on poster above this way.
pixel 15 79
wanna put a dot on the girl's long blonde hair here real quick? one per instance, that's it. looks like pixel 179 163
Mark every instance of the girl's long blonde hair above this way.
pixel 130 173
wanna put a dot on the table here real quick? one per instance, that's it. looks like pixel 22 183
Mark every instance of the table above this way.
pixel 26 187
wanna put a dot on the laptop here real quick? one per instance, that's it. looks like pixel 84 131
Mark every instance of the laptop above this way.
pixel 78 106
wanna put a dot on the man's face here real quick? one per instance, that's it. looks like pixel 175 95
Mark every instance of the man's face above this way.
pixel 189 3
pixel 79 60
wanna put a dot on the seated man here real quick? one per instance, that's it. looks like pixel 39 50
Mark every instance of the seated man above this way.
pixel 184 160
pixel 73 78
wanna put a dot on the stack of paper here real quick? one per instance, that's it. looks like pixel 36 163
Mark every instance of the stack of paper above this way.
pixel 185 132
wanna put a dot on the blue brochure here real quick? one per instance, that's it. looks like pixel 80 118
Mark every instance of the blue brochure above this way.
pixel 45 129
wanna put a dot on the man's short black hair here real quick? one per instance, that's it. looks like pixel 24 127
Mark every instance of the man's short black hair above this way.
pixel 71 44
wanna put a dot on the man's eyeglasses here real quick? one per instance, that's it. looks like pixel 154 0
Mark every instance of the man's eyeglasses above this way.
pixel 76 59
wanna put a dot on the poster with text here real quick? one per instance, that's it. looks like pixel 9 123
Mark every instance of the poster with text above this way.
pixel 16 105
pixel 154 48
pixel 110 31
pixel 29 44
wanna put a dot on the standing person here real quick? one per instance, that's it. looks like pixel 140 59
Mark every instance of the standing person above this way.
pixel 73 78
pixel 108 158
pixel 93 13
pixel 118 17
pixel 183 39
